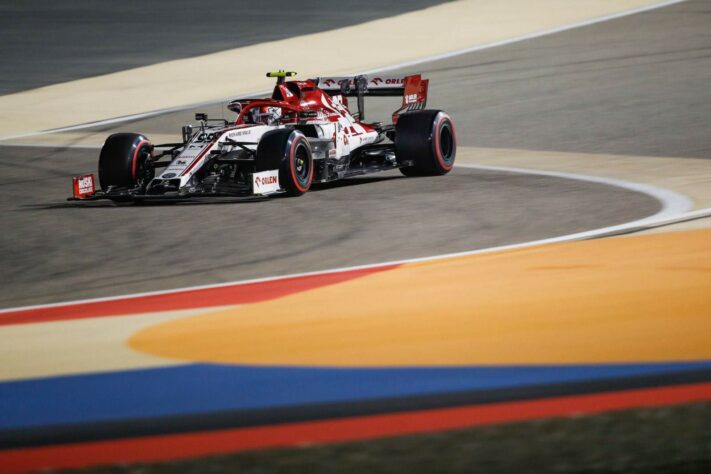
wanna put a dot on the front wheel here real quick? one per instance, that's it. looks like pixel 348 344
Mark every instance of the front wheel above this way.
pixel 289 151
pixel 426 139
pixel 125 161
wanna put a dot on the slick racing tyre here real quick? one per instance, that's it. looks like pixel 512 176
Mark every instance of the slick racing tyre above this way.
pixel 125 161
pixel 290 152
pixel 428 139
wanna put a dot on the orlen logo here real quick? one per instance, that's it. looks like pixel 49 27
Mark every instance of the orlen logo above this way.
pixel 329 82
pixel 266 180
pixel 389 81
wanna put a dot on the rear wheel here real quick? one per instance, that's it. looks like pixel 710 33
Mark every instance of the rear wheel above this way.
pixel 288 151
pixel 427 139
pixel 125 161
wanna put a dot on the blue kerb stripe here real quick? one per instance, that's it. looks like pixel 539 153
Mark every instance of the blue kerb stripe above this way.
pixel 203 388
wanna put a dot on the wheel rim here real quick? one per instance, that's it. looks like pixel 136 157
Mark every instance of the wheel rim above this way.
pixel 144 172
pixel 446 143
pixel 302 165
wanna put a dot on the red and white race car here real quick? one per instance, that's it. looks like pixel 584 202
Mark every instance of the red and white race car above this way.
pixel 304 133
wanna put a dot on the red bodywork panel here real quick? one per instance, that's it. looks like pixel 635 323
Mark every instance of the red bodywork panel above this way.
pixel 295 97
pixel 414 97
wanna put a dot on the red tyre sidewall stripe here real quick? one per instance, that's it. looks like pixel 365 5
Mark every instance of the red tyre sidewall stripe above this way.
pixel 438 151
pixel 134 162
pixel 294 144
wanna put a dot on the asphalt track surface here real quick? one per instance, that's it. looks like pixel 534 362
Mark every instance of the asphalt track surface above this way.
pixel 43 42
pixel 637 85
pixel 539 94
pixel 60 250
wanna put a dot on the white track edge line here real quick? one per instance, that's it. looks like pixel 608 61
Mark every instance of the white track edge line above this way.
pixel 674 206
pixel 125 118
pixel 436 57
pixel 528 36
pixel 673 203
pixel 50 145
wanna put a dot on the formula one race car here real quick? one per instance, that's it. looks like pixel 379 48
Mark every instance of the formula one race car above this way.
pixel 303 134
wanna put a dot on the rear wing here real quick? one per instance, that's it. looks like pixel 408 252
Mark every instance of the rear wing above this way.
pixel 413 90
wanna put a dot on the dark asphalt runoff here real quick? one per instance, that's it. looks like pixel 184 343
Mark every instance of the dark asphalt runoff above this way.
pixel 632 85
pixel 44 42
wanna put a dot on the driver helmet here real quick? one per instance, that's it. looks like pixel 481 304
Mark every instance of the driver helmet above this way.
pixel 266 115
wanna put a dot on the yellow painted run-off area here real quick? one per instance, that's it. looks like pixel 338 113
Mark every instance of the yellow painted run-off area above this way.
pixel 629 299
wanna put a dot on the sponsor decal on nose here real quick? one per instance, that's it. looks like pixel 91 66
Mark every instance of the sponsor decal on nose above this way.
pixel 266 181
pixel 83 186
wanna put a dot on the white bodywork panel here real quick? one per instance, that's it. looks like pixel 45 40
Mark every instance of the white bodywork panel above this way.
pixel 191 159
pixel 335 122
